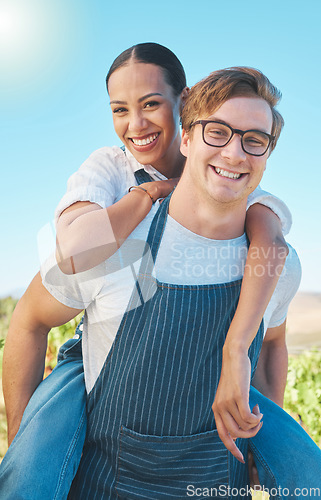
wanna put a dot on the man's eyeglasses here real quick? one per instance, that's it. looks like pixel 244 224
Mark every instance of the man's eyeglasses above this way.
pixel 217 134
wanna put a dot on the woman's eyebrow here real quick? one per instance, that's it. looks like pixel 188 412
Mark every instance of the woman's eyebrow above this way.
pixel 148 95
pixel 139 100
pixel 117 102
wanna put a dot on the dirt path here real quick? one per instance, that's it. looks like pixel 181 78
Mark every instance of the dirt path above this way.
pixel 304 322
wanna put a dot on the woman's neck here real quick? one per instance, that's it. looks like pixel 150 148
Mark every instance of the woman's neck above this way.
pixel 171 167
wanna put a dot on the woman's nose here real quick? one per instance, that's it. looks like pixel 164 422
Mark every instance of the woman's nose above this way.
pixel 137 122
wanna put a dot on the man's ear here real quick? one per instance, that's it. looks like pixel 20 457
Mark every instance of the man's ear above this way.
pixel 183 96
pixel 184 143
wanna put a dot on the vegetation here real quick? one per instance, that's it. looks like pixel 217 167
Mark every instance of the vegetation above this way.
pixel 303 392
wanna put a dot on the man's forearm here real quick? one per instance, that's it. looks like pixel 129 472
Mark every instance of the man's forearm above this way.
pixel 23 367
pixel 25 349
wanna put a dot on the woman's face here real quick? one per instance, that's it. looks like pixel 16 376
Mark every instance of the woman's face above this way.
pixel 146 114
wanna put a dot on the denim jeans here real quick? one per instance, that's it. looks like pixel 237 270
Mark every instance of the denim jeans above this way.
pixel 44 456
pixel 287 459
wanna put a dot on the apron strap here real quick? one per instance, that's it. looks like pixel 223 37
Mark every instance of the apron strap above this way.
pixel 154 237
pixel 142 176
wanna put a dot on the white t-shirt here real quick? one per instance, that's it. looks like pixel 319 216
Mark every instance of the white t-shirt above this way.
pixel 183 258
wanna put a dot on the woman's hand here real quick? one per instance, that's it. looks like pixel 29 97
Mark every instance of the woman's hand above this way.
pixel 160 189
pixel 232 413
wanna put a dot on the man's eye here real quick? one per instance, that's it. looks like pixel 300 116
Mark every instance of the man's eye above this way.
pixel 254 141
pixel 214 132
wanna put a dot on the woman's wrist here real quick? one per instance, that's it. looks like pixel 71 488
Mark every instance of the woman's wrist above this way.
pixel 143 190
pixel 238 339
pixel 154 189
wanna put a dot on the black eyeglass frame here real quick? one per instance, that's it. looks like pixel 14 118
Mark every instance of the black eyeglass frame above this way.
pixel 234 131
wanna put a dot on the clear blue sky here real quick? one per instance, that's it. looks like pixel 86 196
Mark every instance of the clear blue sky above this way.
pixel 54 55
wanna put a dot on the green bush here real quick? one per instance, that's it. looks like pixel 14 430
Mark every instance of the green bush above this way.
pixel 7 306
pixel 303 392
pixel 58 336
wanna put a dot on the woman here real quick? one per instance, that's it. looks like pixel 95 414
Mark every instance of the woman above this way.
pixel 135 197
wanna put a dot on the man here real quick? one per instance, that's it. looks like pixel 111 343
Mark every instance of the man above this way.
pixel 149 396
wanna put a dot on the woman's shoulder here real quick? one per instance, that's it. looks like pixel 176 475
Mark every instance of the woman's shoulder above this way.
pixel 107 157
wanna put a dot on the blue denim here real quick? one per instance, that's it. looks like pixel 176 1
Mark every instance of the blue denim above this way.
pixel 285 455
pixel 43 458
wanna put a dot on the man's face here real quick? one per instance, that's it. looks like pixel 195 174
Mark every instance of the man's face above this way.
pixel 227 174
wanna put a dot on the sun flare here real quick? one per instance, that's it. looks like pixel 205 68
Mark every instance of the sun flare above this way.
pixel 31 40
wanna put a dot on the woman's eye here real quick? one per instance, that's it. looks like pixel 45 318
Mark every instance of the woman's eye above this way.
pixel 119 110
pixel 151 104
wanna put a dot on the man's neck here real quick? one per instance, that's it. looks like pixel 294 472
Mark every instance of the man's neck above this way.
pixel 208 218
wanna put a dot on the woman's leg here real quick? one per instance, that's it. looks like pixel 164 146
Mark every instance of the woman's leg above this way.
pixel 44 456
pixel 286 457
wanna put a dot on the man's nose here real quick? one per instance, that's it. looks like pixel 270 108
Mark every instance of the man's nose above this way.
pixel 233 151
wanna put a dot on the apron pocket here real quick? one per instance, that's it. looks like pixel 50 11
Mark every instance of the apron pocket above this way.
pixel 159 467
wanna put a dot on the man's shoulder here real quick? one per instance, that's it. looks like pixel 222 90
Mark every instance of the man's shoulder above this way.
pixel 292 268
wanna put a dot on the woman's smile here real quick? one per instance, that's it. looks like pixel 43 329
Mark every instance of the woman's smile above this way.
pixel 145 142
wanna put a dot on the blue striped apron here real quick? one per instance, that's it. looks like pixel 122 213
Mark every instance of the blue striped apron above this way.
pixel 151 431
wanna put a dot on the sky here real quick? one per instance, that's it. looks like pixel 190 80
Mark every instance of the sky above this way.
pixel 54 111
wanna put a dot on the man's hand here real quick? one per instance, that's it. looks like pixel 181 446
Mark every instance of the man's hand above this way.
pixel 253 474
pixel 25 348
pixel 231 405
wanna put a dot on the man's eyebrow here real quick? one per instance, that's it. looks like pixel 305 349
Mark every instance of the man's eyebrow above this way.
pixel 139 100
pixel 223 122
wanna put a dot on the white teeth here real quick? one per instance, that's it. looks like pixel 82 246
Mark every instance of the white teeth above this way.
pixel 144 142
pixel 225 173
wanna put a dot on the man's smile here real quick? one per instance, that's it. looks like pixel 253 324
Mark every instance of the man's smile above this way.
pixel 227 173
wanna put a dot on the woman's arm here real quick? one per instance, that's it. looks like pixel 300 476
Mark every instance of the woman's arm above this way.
pixel 272 368
pixel 265 261
pixel 25 348
pixel 88 234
